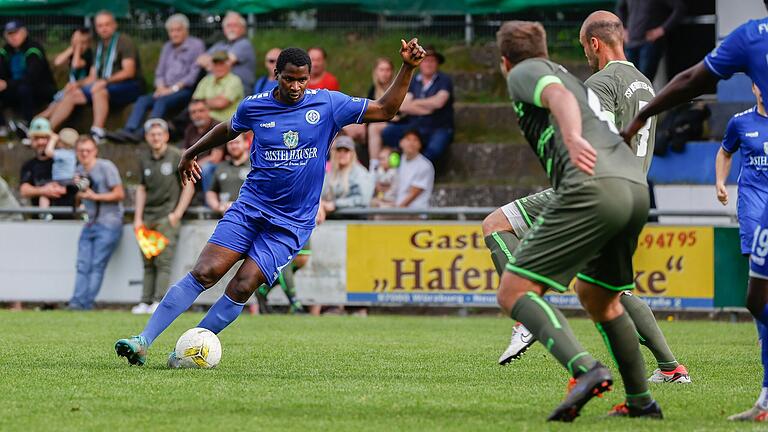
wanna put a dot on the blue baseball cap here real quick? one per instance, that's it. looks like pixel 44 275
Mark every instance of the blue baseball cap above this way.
pixel 12 26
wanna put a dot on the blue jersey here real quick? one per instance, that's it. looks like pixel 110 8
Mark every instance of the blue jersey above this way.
pixel 748 132
pixel 289 150
pixel 744 50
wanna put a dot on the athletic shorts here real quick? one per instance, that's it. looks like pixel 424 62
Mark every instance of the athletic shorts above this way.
pixel 120 93
pixel 589 232
pixel 758 261
pixel 747 226
pixel 246 230
pixel 306 249
pixel 522 212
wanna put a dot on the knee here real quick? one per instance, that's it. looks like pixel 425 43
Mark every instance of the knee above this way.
pixel 496 221
pixel 206 274
pixel 83 266
pixel 241 288
pixel 301 261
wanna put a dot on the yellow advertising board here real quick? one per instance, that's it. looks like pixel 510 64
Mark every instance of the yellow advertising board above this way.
pixel 449 264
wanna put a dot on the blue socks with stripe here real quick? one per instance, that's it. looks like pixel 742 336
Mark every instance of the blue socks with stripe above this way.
pixel 221 314
pixel 177 300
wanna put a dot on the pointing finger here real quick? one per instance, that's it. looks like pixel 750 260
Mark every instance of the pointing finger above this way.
pixel 405 46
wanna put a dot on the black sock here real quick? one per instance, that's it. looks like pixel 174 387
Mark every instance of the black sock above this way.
pixel 649 332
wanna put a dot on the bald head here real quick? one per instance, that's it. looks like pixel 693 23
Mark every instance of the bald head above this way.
pixel 605 26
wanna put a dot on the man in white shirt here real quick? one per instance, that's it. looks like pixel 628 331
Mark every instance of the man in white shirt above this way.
pixel 416 174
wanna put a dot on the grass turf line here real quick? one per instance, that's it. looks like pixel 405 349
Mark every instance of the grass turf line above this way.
pixel 343 373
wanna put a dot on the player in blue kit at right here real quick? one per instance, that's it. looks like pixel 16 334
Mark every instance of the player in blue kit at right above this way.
pixel 275 212
pixel 744 50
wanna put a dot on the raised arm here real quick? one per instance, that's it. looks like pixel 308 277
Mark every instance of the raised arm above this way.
pixel 385 107
pixel 684 86
pixel 565 109
pixel 219 135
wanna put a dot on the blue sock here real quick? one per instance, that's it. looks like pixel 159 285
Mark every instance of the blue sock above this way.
pixel 763 318
pixel 221 314
pixel 762 330
pixel 177 300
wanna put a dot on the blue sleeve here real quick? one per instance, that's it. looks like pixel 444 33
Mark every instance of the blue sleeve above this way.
pixel 731 140
pixel 347 109
pixel 730 57
pixel 239 121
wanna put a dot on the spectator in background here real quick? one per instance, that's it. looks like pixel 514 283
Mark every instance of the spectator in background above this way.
pixel 229 176
pixel 646 22
pixel 383 72
pixel 103 200
pixel 175 78
pixel 201 123
pixel 36 173
pixel 115 78
pixel 429 109
pixel 160 204
pixel 268 81
pixel 238 48
pixel 79 57
pixel 26 82
pixel 319 78
pixel 415 176
pixel 8 201
pixel 385 178
pixel 221 89
pixel 61 149
pixel 348 184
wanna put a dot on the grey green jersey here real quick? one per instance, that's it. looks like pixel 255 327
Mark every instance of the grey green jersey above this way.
pixel 623 91
pixel 526 81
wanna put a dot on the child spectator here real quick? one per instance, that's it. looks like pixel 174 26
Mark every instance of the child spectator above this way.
pixel 416 174
pixel 61 148
pixel 385 176
pixel 348 184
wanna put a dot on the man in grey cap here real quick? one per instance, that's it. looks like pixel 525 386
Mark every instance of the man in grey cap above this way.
pixel 160 203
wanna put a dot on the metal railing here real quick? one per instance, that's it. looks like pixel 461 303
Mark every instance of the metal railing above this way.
pixel 455 213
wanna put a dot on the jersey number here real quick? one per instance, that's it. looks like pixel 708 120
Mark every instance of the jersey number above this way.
pixel 643 134
pixel 760 242
pixel 594 104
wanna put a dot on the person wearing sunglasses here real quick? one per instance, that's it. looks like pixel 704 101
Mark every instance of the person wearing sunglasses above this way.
pixel 268 82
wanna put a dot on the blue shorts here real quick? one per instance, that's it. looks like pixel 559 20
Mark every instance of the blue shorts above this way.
pixel 747 226
pixel 120 93
pixel 758 262
pixel 245 229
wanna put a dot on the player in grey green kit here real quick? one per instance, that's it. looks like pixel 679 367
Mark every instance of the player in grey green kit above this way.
pixel 588 229
pixel 623 91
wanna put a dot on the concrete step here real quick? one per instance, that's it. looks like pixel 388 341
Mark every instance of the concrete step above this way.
pixel 479 195
pixel 472 162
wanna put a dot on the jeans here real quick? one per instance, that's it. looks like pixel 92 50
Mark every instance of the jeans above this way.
pixel 434 140
pixel 646 58
pixel 97 242
pixel 159 106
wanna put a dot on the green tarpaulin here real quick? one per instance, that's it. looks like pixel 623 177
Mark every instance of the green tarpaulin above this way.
pixel 62 7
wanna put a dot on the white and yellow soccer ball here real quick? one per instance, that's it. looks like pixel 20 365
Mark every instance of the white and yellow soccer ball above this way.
pixel 198 348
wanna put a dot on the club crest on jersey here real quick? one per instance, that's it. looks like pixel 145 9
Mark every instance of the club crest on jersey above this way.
pixel 312 117
pixel 765 147
pixel 291 139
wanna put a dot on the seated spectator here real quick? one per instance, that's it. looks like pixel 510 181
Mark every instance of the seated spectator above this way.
pixel 428 107
pixel 348 184
pixel 229 176
pixel 36 173
pixel 415 176
pixel 241 55
pixel 201 123
pixel 61 148
pixel 319 78
pixel 175 78
pixel 268 81
pixel 26 82
pixel 385 177
pixel 383 72
pixel 115 78
pixel 221 89
pixel 103 200
pixel 160 204
pixel 79 57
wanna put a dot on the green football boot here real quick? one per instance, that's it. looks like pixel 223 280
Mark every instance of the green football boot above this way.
pixel 134 349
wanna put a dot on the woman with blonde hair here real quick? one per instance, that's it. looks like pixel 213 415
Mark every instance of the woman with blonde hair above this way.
pixel 348 184
pixel 383 72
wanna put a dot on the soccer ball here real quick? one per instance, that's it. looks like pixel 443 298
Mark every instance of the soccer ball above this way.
pixel 198 348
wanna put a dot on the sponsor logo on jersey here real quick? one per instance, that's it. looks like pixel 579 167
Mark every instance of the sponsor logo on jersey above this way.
pixel 291 139
pixel 267 125
pixel 754 134
pixel 312 117
pixel 166 169
pixel 223 176
pixel 762 28
pixel 294 155
pixel 147 172
pixel 765 147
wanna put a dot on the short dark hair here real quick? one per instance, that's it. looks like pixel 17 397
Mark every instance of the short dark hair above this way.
pixel 322 50
pixel 196 101
pixel 295 56
pixel 414 132
pixel 520 40
pixel 610 32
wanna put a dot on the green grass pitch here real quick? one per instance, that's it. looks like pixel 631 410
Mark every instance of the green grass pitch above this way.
pixel 58 371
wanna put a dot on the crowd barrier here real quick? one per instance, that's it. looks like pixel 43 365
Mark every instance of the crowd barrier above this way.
pixel 392 263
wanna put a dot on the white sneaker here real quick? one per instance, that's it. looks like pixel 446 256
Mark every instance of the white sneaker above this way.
pixel 679 376
pixel 152 308
pixel 521 340
pixel 139 309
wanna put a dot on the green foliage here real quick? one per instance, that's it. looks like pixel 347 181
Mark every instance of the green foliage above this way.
pixel 344 373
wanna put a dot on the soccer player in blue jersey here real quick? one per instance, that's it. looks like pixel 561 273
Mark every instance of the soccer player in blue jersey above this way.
pixel 744 50
pixel 275 212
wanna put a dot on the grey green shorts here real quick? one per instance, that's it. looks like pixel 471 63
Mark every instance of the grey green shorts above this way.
pixel 589 232
pixel 522 212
